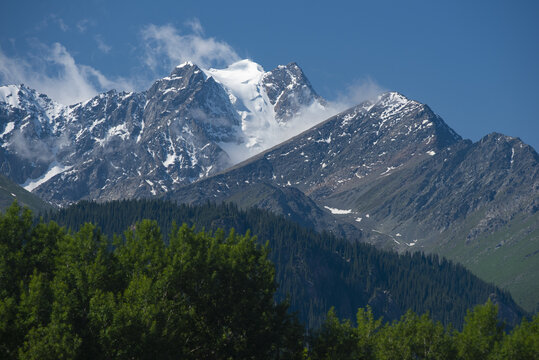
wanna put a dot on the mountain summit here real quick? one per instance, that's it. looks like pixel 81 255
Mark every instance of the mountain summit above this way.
pixel 392 173
pixel 188 125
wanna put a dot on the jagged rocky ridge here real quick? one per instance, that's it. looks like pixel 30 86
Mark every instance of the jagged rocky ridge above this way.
pixel 362 144
pixel 388 163
pixel 392 173
pixel 129 145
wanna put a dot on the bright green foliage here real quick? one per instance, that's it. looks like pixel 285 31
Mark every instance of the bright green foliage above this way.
pixel 142 250
pixel 412 337
pixel 522 343
pixel 367 329
pixel 75 296
pixel 418 337
pixel 481 332
pixel 415 337
pixel 341 340
pixel 53 341
pixel 335 340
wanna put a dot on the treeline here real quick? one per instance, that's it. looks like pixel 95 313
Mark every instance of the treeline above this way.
pixel 419 337
pixel 316 271
pixel 82 295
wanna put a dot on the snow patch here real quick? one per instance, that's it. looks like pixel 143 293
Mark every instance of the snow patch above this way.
pixel 260 129
pixel 171 159
pixel 54 169
pixel 119 130
pixel 242 80
pixel 9 128
pixel 338 211
pixel 187 63
pixel 412 243
pixel 328 140
pixel 389 168
pixel 9 95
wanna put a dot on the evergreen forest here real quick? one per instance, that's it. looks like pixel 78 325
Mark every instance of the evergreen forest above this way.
pixel 202 290
pixel 316 271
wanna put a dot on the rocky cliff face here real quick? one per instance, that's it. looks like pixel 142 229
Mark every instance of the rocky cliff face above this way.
pixel 393 167
pixel 125 145
pixel 289 91
pixel 392 173
pixel 349 152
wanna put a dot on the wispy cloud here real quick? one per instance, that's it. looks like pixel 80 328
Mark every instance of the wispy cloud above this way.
pixel 101 45
pixel 62 24
pixel 52 19
pixel 30 149
pixel 54 71
pixel 195 25
pixel 165 47
pixel 358 92
pixel 57 74
pixel 83 24
pixel 274 133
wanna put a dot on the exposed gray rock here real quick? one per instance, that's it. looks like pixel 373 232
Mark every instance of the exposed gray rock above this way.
pixel 123 145
pixel 289 91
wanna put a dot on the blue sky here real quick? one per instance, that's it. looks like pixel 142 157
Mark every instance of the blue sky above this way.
pixel 475 63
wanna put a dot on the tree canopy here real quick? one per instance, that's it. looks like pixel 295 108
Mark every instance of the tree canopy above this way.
pixel 78 295
pixel 199 295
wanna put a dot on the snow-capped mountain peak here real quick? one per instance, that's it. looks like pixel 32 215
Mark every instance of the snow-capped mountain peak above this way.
pixel 9 95
pixel 273 106
pixel 22 97
pixel 242 81
pixel 187 125
pixel 186 63
pixel 290 91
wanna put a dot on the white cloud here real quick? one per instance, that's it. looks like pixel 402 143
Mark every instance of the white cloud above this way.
pixel 358 92
pixel 165 47
pixel 101 45
pixel 83 25
pixel 31 149
pixel 307 117
pixel 57 74
pixel 62 24
pixel 54 19
pixel 52 70
pixel 195 26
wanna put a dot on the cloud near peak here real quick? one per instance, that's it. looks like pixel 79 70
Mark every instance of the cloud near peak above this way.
pixel 57 74
pixel 55 71
pixel 165 47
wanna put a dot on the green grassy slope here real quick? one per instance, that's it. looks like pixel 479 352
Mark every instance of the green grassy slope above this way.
pixel 9 192
pixel 508 257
